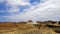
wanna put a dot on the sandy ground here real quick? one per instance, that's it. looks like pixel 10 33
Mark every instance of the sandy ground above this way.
pixel 33 30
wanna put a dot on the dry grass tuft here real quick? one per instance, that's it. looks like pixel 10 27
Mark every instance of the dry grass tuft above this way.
pixel 24 29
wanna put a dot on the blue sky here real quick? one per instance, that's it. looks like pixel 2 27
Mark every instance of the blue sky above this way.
pixel 23 10
pixel 4 7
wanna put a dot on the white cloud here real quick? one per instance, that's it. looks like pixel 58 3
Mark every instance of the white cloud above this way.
pixel 13 10
pixel 42 11
pixel 18 2
pixel 14 4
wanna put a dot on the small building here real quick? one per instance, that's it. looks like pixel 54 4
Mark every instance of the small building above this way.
pixel 31 22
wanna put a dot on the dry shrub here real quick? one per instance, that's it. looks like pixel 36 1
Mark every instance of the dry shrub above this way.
pixel 41 31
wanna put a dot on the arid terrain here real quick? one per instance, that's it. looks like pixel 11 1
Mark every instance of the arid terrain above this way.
pixel 22 28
